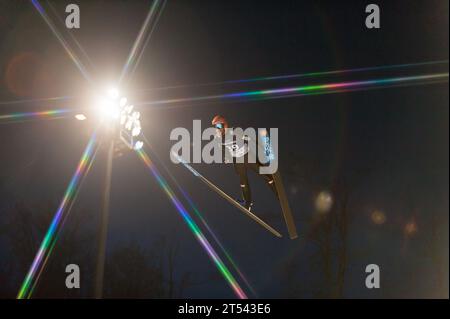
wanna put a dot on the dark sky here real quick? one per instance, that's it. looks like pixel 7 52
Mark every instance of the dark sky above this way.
pixel 389 145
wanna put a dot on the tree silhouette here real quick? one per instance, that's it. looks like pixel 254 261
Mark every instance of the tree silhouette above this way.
pixel 24 229
pixel 130 270
pixel 327 231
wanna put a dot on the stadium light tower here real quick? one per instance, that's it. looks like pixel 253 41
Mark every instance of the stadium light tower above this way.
pixel 120 123
pixel 119 115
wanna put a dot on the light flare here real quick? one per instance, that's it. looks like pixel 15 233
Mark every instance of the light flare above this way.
pixel 301 75
pixel 58 233
pixel 49 114
pixel 38 100
pixel 193 226
pixel 378 217
pixel 63 42
pixel 204 222
pixel 49 238
pixel 134 53
pixel 309 89
pixel 218 242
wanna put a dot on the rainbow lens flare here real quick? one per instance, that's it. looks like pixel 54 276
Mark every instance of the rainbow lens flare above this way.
pixel 226 253
pixel 303 75
pixel 149 20
pixel 311 89
pixel 63 42
pixel 33 115
pixel 202 219
pixel 193 226
pixel 50 238
pixel 335 72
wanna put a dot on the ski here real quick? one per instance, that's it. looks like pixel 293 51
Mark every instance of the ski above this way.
pixel 227 197
pixel 285 208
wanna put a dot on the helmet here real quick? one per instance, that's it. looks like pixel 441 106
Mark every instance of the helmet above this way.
pixel 219 122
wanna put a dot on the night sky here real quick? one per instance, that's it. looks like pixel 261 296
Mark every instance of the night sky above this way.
pixel 381 152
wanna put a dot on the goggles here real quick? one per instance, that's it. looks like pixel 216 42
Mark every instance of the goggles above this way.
pixel 218 126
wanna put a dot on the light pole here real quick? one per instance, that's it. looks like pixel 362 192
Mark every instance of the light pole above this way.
pixel 118 120
pixel 104 217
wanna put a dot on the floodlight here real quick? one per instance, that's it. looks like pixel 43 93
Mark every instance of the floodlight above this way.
pixel 123 118
pixel 80 117
pixel 128 109
pixel 138 145
pixel 128 118
pixel 129 123
pixel 136 131
pixel 108 107
pixel 113 93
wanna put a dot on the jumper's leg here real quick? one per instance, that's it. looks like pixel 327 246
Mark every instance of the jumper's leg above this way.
pixel 245 186
pixel 267 177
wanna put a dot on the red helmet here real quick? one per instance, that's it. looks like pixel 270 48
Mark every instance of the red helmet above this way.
pixel 219 122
